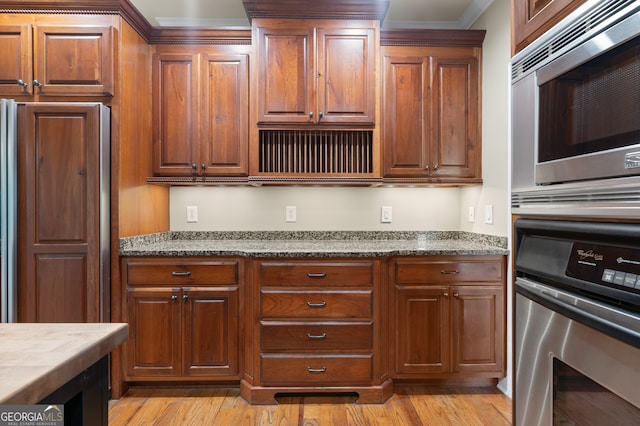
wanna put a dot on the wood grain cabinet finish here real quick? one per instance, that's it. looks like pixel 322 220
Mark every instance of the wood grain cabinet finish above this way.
pixel 449 317
pixel 57 59
pixel 200 116
pixel 59 175
pixel 315 71
pixel 183 319
pixel 431 113
pixel 532 18
pixel 317 329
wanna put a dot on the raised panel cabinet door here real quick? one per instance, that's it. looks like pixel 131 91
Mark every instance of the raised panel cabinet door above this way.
pixel 532 18
pixel 211 334
pixel 175 114
pixel 421 330
pixel 345 75
pixel 455 131
pixel 153 348
pixel 405 127
pixel 59 213
pixel 286 75
pixel 17 60
pixel 478 328
pixel 225 121
pixel 74 60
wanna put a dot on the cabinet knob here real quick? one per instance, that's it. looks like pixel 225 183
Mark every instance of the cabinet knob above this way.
pixel 435 168
pixel 321 114
pixel 446 295
pixel 194 168
pixel 184 297
pixel 36 83
pixel 455 295
pixel 21 83
pixel 174 298
pixel 317 305
pixel 311 114
pixel 203 167
pixel 316 370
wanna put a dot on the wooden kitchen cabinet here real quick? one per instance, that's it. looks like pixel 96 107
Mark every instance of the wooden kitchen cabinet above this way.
pixel 315 71
pixel 200 115
pixel 70 58
pixel 183 319
pixel 317 328
pixel 532 18
pixel 431 130
pixel 449 317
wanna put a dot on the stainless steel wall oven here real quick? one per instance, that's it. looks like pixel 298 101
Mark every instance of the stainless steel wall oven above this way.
pixel 576 323
pixel 576 114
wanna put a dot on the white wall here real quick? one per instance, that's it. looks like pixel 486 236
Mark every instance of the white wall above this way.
pixel 495 134
pixel 318 208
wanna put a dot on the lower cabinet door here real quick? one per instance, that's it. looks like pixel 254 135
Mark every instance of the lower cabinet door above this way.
pixel 210 334
pixel 305 370
pixel 422 330
pixel 478 326
pixel 153 349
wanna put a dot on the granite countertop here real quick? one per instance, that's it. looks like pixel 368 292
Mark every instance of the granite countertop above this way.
pixel 313 244
pixel 36 359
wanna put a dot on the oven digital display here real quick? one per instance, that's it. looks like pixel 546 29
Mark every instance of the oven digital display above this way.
pixel 598 263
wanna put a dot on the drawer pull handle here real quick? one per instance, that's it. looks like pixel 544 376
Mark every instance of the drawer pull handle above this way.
pixel 444 272
pixel 316 370
pixel 317 305
pixel 181 274
pixel 316 336
pixel 316 274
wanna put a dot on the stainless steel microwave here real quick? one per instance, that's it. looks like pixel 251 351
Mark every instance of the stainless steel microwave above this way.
pixel 575 105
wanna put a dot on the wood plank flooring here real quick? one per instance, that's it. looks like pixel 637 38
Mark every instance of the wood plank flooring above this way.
pixel 410 405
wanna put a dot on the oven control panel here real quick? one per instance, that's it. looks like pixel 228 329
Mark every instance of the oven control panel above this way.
pixel 598 263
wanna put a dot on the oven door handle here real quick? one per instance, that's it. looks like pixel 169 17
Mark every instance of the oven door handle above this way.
pixel 606 318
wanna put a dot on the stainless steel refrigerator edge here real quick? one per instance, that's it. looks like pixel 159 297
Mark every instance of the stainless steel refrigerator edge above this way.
pixel 8 209
pixel 8 296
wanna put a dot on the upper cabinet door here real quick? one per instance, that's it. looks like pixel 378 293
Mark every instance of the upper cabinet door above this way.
pixel 73 60
pixel 345 76
pixel 16 68
pixel 225 107
pixel 175 114
pixel 532 18
pixel 285 64
pixel 455 150
pixel 322 74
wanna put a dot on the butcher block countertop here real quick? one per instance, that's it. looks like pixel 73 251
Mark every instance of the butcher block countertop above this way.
pixel 313 244
pixel 37 359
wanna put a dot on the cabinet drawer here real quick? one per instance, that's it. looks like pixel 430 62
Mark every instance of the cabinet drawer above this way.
pixel 318 336
pixel 336 370
pixel 183 273
pixel 415 272
pixel 316 304
pixel 316 273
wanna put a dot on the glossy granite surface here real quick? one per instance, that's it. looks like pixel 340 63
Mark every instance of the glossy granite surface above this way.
pixel 313 244
pixel 36 359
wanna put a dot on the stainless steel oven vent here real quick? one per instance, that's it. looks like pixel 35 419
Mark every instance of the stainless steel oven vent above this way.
pixel 600 16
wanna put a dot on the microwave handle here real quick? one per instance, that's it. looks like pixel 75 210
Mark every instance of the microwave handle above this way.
pixel 602 43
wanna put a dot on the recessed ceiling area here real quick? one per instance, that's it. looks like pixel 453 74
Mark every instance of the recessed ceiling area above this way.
pixel 433 14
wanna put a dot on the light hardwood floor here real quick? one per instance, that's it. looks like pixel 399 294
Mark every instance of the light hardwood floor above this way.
pixel 410 405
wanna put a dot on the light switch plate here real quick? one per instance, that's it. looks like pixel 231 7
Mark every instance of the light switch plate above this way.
pixel 488 214
pixel 192 214
pixel 290 214
pixel 386 214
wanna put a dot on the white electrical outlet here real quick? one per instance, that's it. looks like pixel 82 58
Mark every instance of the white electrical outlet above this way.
pixel 386 214
pixel 488 214
pixel 472 214
pixel 290 214
pixel 192 214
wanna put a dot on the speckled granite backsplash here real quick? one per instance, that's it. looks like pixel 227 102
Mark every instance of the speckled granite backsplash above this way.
pixel 312 243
